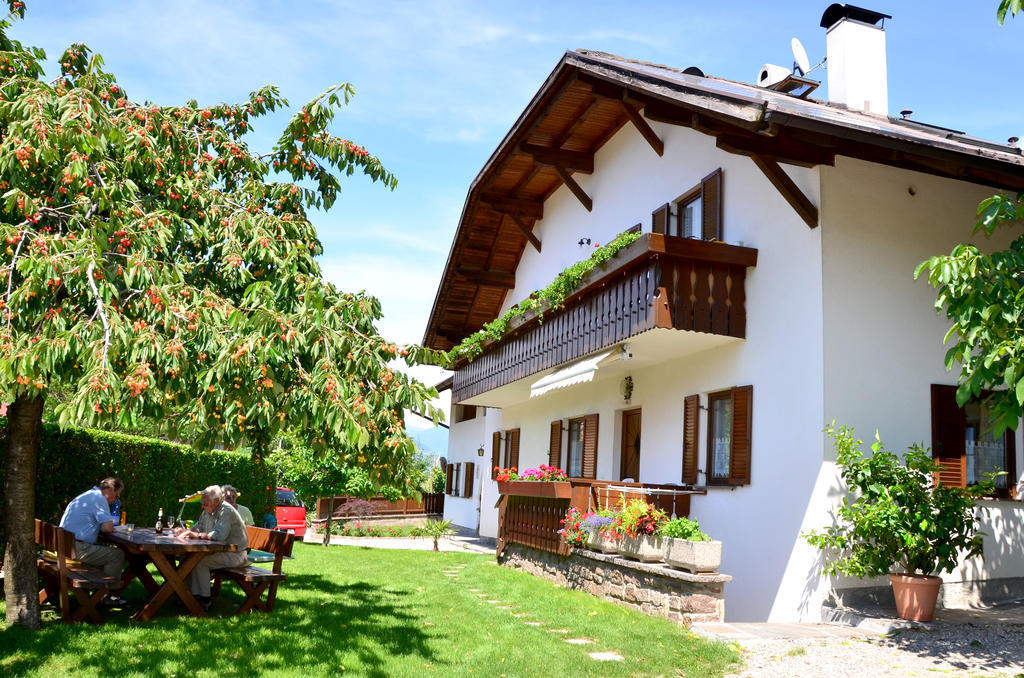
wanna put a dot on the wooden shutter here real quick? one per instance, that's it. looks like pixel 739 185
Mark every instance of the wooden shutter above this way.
pixel 512 443
pixel 739 458
pixel 948 436
pixel 711 206
pixel 660 218
pixel 691 430
pixel 495 453
pixel 448 479
pixel 555 449
pixel 470 469
pixel 590 446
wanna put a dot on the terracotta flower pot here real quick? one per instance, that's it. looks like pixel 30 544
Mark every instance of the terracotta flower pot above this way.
pixel 915 595
pixel 645 548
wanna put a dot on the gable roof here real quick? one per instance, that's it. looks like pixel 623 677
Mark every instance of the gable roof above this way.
pixel 590 95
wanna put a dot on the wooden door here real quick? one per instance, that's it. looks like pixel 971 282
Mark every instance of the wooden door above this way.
pixel 630 466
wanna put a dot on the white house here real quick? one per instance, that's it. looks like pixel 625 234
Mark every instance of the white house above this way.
pixel 771 292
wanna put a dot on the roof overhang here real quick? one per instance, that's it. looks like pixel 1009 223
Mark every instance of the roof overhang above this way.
pixel 589 96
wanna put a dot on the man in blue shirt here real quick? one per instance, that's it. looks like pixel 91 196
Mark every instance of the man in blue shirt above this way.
pixel 87 515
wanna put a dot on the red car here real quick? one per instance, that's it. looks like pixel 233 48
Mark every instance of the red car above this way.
pixel 290 512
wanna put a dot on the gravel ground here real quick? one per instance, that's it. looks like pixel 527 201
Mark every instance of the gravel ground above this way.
pixel 952 650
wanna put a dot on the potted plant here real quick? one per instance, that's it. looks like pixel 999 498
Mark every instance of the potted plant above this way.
pixel 899 521
pixel 543 481
pixel 601 532
pixel 688 548
pixel 573 531
pixel 637 526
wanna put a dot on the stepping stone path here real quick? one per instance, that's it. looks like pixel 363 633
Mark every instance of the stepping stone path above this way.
pixel 596 656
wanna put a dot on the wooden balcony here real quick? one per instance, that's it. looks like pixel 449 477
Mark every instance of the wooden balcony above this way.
pixel 657 282
pixel 534 521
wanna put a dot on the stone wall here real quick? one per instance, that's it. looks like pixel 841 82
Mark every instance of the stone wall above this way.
pixel 654 589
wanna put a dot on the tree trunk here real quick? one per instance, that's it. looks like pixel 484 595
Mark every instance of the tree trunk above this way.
pixel 327 523
pixel 24 421
pixel 435 544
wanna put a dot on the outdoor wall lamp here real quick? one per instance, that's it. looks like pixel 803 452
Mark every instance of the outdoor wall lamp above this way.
pixel 480 451
pixel 584 241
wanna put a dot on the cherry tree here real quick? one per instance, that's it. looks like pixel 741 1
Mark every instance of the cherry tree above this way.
pixel 155 268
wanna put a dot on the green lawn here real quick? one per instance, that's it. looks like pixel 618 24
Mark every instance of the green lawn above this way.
pixel 375 613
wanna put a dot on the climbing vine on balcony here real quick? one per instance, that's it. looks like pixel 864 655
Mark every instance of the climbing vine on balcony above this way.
pixel 552 297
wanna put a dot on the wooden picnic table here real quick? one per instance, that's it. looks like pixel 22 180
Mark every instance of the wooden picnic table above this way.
pixel 143 545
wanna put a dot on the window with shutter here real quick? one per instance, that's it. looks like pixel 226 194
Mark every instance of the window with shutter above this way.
pixel 963 445
pixel 512 448
pixel 691 432
pixel 729 436
pixel 470 470
pixel 457 479
pixel 711 206
pixel 590 446
pixel 555 444
pixel 495 454
pixel 448 478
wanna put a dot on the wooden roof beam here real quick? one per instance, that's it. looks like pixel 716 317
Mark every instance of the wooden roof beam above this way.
pixel 576 189
pixel 514 207
pixel 788 189
pixel 644 128
pixel 527 231
pixel 630 105
pixel 778 149
pixel 574 161
pixel 505 280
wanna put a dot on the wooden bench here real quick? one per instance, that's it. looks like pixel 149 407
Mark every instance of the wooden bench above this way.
pixel 63 576
pixel 257 580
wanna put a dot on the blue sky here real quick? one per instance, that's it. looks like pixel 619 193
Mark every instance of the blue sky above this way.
pixel 439 83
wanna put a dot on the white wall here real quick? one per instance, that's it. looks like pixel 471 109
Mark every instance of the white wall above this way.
pixel 883 339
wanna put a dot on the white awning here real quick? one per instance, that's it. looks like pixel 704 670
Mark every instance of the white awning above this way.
pixel 577 373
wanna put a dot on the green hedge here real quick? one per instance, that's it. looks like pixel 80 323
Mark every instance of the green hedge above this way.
pixel 156 473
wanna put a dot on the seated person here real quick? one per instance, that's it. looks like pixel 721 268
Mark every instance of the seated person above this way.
pixel 218 522
pixel 269 519
pixel 231 496
pixel 86 516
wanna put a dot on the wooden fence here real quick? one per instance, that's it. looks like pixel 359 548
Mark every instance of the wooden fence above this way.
pixel 430 504
pixel 536 521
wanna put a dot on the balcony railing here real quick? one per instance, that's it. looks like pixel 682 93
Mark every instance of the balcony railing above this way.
pixel 657 282
pixel 535 521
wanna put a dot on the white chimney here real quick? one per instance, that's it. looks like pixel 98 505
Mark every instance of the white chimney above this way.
pixel 855 49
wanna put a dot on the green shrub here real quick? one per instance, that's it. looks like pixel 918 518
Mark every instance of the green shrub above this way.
pixel 683 528
pixel 156 473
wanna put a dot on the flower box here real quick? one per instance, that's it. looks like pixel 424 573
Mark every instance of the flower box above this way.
pixel 695 556
pixel 645 548
pixel 602 541
pixel 556 489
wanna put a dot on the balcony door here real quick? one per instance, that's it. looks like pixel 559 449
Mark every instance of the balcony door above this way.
pixel 630 462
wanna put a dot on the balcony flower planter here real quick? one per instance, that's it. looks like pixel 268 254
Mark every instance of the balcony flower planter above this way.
pixel 645 548
pixel 602 541
pixel 695 556
pixel 536 488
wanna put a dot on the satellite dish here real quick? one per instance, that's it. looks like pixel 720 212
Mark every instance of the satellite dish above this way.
pixel 800 57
